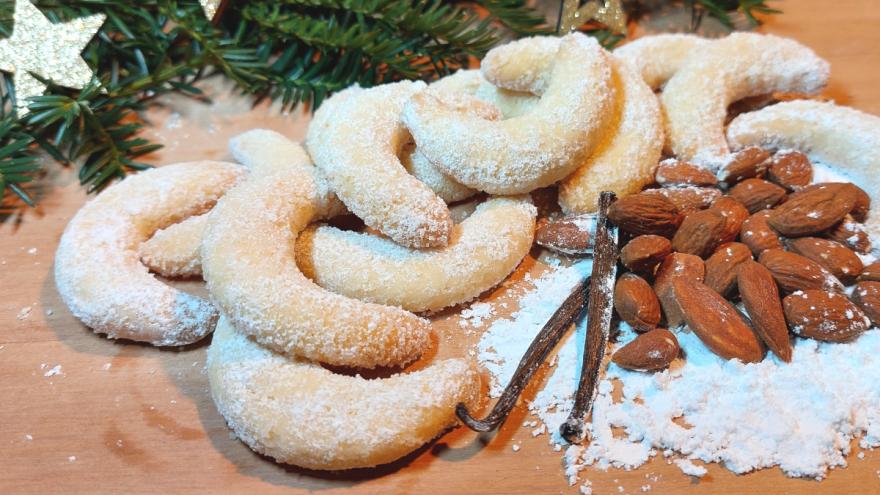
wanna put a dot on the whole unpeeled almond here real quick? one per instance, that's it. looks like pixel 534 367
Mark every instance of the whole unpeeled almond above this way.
pixel 569 235
pixel 757 234
pixel 794 272
pixel 676 265
pixel 813 209
pixel 790 169
pixel 757 194
pixel 721 266
pixel 760 296
pixel 645 214
pixel 871 273
pixel 687 199
pixel 643 253
pixel 866 295
pixel 672 172
pixel 650 351
pixel 716 322
pixel 851 234
pixel 744 164
pixel 838 259
pixel 734 213
pixel 823 315
pixel 700 233
pixel 636 303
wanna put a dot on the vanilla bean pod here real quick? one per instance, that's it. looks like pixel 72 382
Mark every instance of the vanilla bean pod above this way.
pixel 598 320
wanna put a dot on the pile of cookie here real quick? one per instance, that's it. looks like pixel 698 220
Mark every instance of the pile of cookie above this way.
pixel 291 293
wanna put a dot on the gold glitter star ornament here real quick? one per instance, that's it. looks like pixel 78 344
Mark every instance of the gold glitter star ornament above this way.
pixel 50 50
pixel 210 7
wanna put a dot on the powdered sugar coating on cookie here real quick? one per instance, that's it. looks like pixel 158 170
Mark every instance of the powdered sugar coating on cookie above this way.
pixel 249 266
pixel 695 100
pixel 300 413
pixel 482 251
pixel 355 138
pixel 523 153
pixel 97 268
pixel 657 58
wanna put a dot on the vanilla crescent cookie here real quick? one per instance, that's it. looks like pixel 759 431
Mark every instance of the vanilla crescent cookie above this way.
pixel 483 250
pixel 658 57
pixel 626 161
pixel 250 270
pixel 533 150
pixel 97 270
pixel 174 251
pixel 303 414
pixel 842 137
pixel 355 138
pixel 696 98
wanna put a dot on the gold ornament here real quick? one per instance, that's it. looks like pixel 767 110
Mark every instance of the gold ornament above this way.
pixel 610 13
pixel 50 50
pixel 210 7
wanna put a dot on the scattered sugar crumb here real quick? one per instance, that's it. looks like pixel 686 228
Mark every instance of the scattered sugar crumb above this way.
pixel 689 468
pixel 50 312
pixel 28 437
pixel 515 447
pixel 32 251
pixel 24 313
pixel 645 488
pixel 71 458
pixel 119 443
pixel 106 366
pixel 586 488
pixel 861 455
pixel 476 314
pixel 54 371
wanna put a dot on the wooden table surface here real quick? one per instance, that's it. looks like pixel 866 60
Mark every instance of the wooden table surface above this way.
pixel 128 418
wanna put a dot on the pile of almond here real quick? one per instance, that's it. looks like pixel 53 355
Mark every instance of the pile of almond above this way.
pixel 744 259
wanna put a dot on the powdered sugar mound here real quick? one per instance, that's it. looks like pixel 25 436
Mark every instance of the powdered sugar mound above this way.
pixel 800 416
pixel 689 468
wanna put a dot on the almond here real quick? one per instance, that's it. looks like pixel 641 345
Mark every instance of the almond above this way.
pixel 813 210
pixel 851 234
pixel 645 214
pixel 648 352
pixel 673 172
pixel 569 235
pixel 700 233
pixel 716 322
pixel 676 265
pixel 734 212
pixel 794 272
pixel 862 201
pixel 871 273
pixel 757 234
pixel 721 266
pixel 757 194
pixel 636 303
pixel 688 199
pixel 744 164
pixel 644 253
pixel 790 169
pixel 823 315
pixel 838 259
pixel 760 296
pixel 866 295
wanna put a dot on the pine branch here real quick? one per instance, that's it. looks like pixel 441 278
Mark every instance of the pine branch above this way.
pixel 517 16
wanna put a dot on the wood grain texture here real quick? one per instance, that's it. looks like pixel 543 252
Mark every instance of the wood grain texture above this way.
pixel 128 418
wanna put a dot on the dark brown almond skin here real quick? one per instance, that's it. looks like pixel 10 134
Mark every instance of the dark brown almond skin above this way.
pixel 871 273
pixel 851 234
pixel 676 265
pixel 673 172
pixel 716 322
pixel 636 303
pixel 790 169
pixel 721 267
pixel 734 212
pixel 794 272
pixel 866 296
pixel 757 194
pixel 745 164
pixel 650 351
pixel 700 233
pixel 760 296
pixel 813 210
pixel 568 235
pixel 838 259
pixel 822 315
pixel 688 199
pixel 862 201
pixel 757 234
pixel 644 253
pixel 645 214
